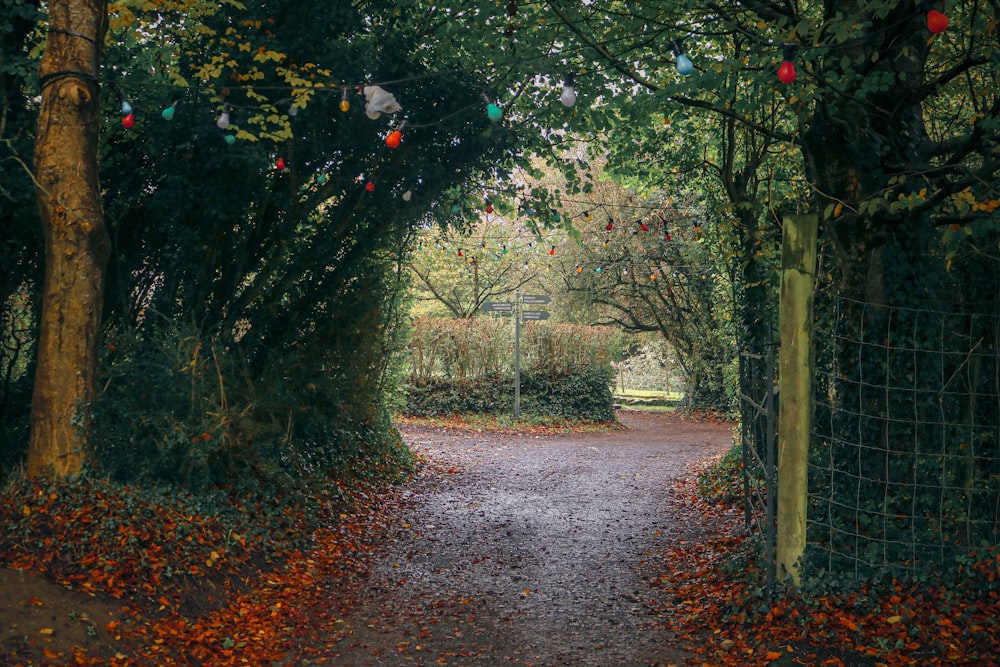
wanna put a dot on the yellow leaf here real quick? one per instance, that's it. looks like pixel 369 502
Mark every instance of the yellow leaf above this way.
pixel 48 632
pixel 892 620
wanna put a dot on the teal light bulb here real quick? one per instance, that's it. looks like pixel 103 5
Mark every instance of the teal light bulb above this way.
pixel 493 112
pixel 168 113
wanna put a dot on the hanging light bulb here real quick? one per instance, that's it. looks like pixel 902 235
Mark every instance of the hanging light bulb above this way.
pixel 643 226
pixel 597 270
pixel 168 113
pixel 936 22
pixel 279 164
pixel 787 72
pixel 128 121
pixel 489 206
pixel 345 103
pixel 393 138
pixel 230 139
pixel 587 216
pixel 552 250
pixel 684 64
pixel 223 121
pixel 493 112
pixel 568 97
pixel 126 108
pixel 610 225
pixel 579 269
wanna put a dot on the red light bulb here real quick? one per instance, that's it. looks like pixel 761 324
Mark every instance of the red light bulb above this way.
pixel 552 251
pixel 787 73
pixel 370 186
pixel 128 121
pixel 392 141
pixel 936 22
pixel 279 164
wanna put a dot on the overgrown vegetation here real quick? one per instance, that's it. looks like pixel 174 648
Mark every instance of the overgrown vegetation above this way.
pixel 463 366
pixel 923 620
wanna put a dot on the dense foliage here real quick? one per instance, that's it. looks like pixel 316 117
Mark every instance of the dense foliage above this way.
pixel 462 366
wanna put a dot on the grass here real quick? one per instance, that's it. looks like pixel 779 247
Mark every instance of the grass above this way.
pixel 649 399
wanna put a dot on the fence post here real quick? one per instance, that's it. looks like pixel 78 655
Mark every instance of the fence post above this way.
pixel 795 314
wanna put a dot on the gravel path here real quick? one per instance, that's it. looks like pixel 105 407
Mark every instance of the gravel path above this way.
pixel 529 550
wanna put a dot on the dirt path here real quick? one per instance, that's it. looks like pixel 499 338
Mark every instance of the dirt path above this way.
pixel 532 551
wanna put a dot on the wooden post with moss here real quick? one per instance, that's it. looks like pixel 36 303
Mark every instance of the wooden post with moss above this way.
pixel 795 315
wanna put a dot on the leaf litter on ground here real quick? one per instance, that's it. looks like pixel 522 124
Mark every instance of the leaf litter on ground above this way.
pixel 189 593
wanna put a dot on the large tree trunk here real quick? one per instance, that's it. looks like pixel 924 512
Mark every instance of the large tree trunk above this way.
pixel 76 241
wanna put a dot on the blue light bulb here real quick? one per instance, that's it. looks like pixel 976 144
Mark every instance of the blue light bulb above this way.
pixel 684 65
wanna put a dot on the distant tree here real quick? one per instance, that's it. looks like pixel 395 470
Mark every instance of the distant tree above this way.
pixel 461 269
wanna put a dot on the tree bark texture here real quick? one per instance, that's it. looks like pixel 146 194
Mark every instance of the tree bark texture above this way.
pixel 76 240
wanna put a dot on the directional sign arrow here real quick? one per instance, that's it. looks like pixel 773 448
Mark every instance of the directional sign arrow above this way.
pixel 538 299
pixel 497 306
pixel 534 315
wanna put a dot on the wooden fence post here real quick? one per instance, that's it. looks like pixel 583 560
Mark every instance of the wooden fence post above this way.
pixel 795 322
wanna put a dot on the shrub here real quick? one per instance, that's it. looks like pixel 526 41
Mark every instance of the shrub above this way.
pixel 581 393
pixel 467 366
pixel 182 409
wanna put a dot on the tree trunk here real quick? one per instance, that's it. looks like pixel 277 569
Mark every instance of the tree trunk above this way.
pixel 76 240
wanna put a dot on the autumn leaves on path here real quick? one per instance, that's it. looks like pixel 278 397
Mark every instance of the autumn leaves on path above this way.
pixel 528 550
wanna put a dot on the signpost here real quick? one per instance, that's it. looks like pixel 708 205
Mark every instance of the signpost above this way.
pixel 514 308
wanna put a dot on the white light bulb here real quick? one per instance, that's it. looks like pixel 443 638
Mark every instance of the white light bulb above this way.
pixel 568 97
pixel 223 121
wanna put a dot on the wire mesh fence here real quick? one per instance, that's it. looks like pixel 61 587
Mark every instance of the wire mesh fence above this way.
pixel 905 468
pixel 758 435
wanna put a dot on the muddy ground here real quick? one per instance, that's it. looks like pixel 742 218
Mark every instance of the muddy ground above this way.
pixel 531 550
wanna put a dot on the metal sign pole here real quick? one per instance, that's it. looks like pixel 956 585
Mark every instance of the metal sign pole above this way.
pixel 517 355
